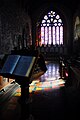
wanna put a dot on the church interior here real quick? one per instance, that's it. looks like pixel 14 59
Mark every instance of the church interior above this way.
pixel 39 59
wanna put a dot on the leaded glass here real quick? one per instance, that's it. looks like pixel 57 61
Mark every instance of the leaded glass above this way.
pixel 52 29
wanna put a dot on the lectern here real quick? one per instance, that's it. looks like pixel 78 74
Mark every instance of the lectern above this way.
pixel 21 66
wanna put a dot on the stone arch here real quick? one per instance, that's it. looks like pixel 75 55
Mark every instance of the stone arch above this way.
pixel 63 14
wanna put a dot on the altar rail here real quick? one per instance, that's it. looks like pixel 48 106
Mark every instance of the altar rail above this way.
pixel 52 52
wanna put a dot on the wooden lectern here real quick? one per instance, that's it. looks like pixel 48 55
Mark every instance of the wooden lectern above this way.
pixel 21 67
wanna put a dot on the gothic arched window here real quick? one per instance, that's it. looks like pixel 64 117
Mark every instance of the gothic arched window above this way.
pixel 51 29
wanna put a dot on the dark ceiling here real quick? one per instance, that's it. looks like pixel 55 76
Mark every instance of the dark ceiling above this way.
pixel 35 4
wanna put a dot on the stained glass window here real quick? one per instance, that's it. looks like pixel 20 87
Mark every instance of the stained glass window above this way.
pixel 52 29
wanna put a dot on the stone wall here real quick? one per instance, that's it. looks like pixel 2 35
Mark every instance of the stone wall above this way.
pixel 13 19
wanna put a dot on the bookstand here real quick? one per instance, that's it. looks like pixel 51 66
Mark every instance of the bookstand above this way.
pixel 20 68
pixel 20 65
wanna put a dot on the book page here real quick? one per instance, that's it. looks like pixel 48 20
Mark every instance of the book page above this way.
pixel 10 64
pixel 24 66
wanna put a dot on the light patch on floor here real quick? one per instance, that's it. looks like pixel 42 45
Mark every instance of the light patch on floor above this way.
pixel 37 85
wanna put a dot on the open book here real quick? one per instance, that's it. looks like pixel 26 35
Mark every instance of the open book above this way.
pixel 17 65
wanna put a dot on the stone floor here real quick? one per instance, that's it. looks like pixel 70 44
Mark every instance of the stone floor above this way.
pixel 49 99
